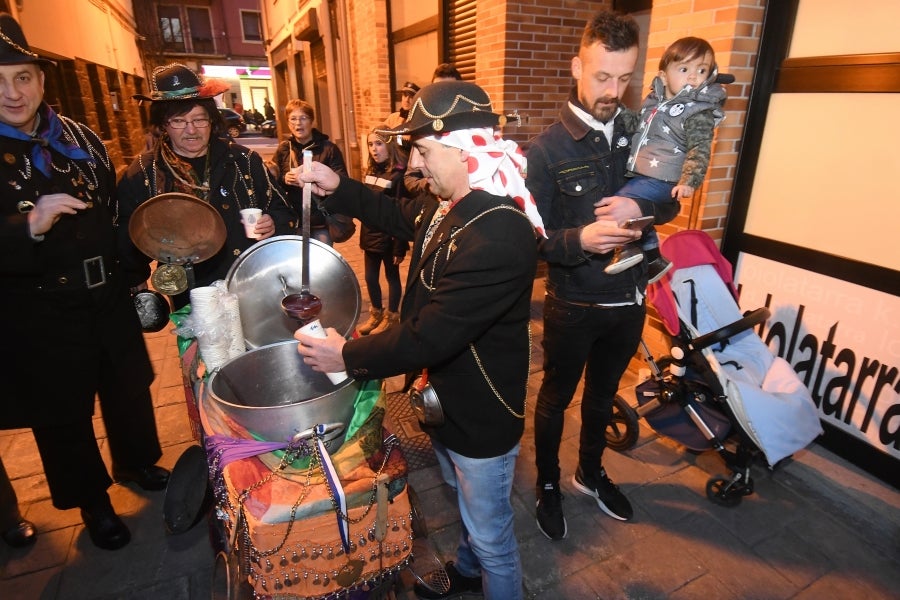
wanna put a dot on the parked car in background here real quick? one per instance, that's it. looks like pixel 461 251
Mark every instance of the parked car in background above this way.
pixel 234 122
pixel 269 128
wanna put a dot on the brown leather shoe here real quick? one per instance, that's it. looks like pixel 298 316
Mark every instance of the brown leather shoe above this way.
pixel 148 478
pixel 20 535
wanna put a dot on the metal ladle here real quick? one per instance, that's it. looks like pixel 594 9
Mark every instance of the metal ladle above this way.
pixel 305 306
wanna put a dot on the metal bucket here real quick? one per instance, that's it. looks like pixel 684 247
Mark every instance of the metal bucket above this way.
pixel 267 271
pixel 272 393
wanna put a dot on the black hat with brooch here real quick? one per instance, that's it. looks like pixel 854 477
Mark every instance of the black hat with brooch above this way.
pixel 177 82
pixel 13 45
pixel 448 106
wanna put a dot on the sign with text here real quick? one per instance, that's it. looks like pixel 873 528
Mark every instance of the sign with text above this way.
pixel 843 340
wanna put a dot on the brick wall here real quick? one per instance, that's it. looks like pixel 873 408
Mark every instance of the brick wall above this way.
pixel 531 73
pixel 369 64
pixel 127 132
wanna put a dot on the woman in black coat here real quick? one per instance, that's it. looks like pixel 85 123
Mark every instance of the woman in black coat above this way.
pixel 384 174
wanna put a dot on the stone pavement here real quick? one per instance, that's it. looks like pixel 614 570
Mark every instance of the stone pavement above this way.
pixel 817 528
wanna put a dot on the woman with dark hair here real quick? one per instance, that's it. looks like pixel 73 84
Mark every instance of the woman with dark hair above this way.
pixel 301 118
pixel 194 157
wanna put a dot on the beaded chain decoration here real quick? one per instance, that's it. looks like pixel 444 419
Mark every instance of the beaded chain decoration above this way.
pixel 261 563
pixel 19 48
pixel 437 120
pixel 242 179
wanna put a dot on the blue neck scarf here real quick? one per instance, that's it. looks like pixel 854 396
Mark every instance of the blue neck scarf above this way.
pixel 48 136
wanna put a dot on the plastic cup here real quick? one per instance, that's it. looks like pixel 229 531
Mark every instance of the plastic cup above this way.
pixel 314 329
pixel 249 217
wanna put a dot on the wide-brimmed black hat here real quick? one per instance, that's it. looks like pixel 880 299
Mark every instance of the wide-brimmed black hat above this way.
pixel 14 48
pixel 448 106
pixel 177 82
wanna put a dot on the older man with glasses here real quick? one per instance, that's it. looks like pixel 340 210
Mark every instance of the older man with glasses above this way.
pixel 194 157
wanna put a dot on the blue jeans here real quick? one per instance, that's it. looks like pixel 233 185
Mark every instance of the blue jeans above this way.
pixel 487 543
pixel 597 342
pixel 647 188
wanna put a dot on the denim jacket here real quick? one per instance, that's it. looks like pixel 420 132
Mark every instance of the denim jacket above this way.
pixel 570 167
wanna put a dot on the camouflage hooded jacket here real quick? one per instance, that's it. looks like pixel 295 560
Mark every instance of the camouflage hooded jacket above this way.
pixel 675 136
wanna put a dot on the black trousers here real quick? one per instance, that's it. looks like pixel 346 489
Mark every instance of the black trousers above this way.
pixel 9 504
pixel 71 457
pixel 597 342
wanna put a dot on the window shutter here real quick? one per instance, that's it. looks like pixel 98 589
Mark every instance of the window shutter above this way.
pixel 460 34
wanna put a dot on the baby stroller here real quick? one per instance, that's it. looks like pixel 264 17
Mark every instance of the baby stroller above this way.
pixel 720 381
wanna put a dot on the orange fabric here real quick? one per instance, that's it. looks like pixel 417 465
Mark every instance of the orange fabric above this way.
pixel 305 538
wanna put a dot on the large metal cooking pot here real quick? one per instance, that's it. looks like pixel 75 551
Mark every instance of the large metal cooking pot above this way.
pixel 272 393
pixel 267 271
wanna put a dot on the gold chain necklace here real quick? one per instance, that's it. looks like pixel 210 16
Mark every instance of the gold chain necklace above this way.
pixel 491 383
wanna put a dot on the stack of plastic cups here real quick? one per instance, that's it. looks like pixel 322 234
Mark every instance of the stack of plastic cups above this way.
pixel 232 309
pixel 206 322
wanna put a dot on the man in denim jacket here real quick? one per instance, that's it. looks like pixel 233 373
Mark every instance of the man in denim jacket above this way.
pixel 591 318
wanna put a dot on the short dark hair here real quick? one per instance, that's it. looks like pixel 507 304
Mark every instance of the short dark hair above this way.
pixel 446 71
pixel 617 32
pixel 162 111
pixel 687 48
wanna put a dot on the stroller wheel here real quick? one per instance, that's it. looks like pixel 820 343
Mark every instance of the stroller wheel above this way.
pixel 726 492
pixel 624 427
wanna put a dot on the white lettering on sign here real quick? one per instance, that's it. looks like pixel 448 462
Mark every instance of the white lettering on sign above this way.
pixel 842 339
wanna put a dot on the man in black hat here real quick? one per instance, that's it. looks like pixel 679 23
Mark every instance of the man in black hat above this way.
pixel 72 328
pixel 194 157
pixel 464 318
pixel 406 93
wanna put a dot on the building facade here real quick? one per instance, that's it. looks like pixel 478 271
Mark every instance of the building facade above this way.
pixel 98 66
pixel 220 38
pixel 347 57
pixel 104 50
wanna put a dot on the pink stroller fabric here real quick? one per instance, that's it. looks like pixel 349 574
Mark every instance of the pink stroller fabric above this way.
pixel 687 248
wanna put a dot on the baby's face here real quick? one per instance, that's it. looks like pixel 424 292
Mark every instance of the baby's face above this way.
pixel 692 72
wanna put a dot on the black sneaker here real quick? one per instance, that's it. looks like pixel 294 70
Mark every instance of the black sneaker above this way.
pixel 459 585
pixel 550 518
pixel 609 498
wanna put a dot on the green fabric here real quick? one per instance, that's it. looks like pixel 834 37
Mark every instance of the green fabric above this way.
pixel 178 318
pixel 366 398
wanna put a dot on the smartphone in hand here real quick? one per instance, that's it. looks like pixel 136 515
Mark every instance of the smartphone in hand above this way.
pixel 638 224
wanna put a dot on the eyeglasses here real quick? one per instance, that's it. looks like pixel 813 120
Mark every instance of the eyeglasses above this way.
pixel 300 119
pixel 178 123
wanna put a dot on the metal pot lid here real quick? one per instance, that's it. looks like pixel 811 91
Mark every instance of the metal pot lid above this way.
pixel 256 278
pixel 177 228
